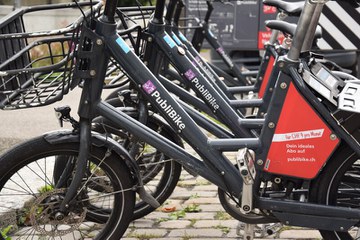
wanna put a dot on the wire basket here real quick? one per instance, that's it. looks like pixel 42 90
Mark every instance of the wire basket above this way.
pixel 36 67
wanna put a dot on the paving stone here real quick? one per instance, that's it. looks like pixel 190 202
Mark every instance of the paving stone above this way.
pixel 200 215
pixel 182 195
pixel 142 232
pixel 157 215
pixel 203 194
pixel 300 233
pixel 173 224
pixel 210 187
pixel 202 200
pixel 215 223
pixel 142 223
pixel 202 232
pixel 211 207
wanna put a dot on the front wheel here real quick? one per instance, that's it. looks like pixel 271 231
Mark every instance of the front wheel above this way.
pixel 30 200
pixel 340 185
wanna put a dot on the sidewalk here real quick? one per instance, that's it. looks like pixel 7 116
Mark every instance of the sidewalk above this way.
pixel 198 214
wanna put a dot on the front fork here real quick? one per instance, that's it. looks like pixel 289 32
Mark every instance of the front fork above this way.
pixel 91 68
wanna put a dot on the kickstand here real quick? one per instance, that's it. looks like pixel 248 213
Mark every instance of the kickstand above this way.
pixel 249 232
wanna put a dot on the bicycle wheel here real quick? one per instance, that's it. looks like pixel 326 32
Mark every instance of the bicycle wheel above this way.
pixel 29 201
pixel 339 185
pixel 160 173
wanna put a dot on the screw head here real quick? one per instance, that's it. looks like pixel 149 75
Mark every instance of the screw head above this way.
pixel 333 136
pixel 260 162
pixel 246 208
pixel 92 73
pixel 283 85
pixel 99 42
pixel 149 39
pixel 181 51
pixel 271 125
pixel 281 64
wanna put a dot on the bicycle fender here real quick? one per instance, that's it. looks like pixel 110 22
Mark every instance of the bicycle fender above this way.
pixel 67 136
pixel 99 140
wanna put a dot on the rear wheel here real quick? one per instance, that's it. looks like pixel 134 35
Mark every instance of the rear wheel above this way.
pixel 30 199
pixel 340 186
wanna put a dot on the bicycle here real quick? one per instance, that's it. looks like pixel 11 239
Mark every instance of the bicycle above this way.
pixel 274 204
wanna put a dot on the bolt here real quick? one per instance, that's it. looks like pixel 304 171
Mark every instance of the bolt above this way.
pixel 271 89
pixel 283 85
pixel 271 125
pixel 266 57
pixel 181 51
pixel 281 64
pixel 287 223
pixel 333 136
pixel 260 162
pixel 67 205
pixel 244 172
pixel 149 39
pixel 246 208
pixel 59 216
pixel 341 228
pixel 260 78
pixel 92 73
pixel 223 173
pixel 146 63
pixel 99 42
pixel 277 180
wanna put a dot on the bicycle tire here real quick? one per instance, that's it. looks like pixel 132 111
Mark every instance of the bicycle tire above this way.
pixel 29 163
pixel 167 175
pixel 332 177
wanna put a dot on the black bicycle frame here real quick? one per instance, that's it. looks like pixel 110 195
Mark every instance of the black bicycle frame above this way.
pixel 214 165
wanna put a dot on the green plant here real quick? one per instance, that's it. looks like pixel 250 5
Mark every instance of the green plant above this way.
pixel 224 229
pixel 192 222
pixel 192 196
pixel 46 188
pixel 5 231
pixel 192 208
pixel 221 215
pixel 177 214
pixel 143 236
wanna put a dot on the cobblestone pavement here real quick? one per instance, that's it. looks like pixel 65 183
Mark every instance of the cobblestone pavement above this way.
pixel 194 212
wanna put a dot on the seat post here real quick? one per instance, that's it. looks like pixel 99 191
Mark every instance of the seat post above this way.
pixel 308 41
pixel 301 30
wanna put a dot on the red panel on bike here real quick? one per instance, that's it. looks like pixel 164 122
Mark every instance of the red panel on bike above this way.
pixel 266 78
pixel 301 143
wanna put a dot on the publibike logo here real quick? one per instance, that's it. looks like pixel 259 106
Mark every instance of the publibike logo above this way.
pixel 150 89
pixel 211 100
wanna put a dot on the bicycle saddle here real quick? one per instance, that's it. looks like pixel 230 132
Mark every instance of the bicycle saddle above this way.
pixel 290 8
pixel 289 28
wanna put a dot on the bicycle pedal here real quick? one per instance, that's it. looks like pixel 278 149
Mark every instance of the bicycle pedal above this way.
pixel 245 159
pixel 349 98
